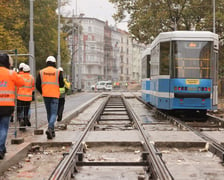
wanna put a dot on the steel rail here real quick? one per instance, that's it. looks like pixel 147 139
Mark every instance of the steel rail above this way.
pixel 214 147
pixel 159 169
pixel 64 168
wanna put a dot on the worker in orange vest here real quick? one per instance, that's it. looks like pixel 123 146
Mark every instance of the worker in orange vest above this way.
pixel 9 80
pixel 48 82
pixel 20 72
pixel 24 98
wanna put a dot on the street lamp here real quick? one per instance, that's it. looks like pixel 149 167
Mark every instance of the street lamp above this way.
pixel 213 16
pixel 79 52
pixel 31 42
pixel 59 40
pixel 73 52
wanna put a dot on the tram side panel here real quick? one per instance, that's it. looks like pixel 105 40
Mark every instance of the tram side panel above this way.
pixel 146 90
pixel 160 93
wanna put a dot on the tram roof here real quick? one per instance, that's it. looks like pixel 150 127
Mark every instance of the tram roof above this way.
pixel 185 35
pixel 146 52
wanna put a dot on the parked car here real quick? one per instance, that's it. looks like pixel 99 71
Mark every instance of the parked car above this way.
pixel 102 85
pixel 108 85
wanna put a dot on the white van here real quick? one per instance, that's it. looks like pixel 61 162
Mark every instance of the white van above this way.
pixel 100 85
pixel 103 85
pixel 108 85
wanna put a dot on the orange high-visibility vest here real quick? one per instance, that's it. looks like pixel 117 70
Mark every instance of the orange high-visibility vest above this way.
pixel 8 81
pixel 50 82
pixel 25 92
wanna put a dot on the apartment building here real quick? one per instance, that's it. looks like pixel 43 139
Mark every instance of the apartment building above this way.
pixel 104 53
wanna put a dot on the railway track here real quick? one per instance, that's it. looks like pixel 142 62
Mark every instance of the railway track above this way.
pixel 114 115
pixel 198 126
pixel 118 137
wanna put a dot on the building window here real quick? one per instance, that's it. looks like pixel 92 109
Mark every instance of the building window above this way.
pixel 89 29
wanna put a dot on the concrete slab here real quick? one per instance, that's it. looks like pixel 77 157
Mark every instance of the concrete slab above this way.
pixel 128 95
pixel 61 136
pixel 110 173
pixel 192 164
pixel 217 135
pixel 176 139
pixel 114 136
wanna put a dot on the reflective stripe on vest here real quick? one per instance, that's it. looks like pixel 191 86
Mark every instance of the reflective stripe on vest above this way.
pixel 4 95
pixel 62 90
pixel 50 82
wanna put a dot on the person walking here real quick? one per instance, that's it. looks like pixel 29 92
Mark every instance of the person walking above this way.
pixel 48 82
pixel 24 97
pixel 63 92
pixel 18 105
pixel 9 80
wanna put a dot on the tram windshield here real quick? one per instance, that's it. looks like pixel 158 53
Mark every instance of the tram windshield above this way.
pixel 192 59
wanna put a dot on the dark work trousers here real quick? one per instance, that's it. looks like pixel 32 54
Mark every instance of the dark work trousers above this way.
pixel 23 110
pixel 60 108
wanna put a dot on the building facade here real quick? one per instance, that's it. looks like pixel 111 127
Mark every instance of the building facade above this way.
pixel 104 53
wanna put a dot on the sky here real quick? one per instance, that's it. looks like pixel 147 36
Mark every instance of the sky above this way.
pixel 100 9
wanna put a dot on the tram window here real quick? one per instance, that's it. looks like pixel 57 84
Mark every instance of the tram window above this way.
pixel 164 58
pixel 146 67
pixel 154 62
pixel 191 59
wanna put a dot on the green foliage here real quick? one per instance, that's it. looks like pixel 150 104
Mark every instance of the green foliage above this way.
pixel 11 25
pixel 15 29
pixel 149 18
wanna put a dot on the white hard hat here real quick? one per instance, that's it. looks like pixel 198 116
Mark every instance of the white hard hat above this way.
pixel 26 68
pixel 60 69
pixel 21 65
pixel 51 59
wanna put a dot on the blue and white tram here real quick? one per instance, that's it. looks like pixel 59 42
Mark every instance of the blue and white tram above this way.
pixel 183 71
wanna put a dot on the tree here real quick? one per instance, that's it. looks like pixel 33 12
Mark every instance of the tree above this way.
pixel 46 33
pixel 11 26
pixel 15 28
pixel 149 18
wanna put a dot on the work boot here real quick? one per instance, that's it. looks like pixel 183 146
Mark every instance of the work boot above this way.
pixel 59 118
pixel 49 133
pixel 2 155
pixel 11 120
pixel 27 122
pixel 53 134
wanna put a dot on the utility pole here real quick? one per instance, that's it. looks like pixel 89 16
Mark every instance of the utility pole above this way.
pixel 213 16
pixel 59 40
pixel 31 42
pixel 79 56
pixel 73 53
pixel 80 52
